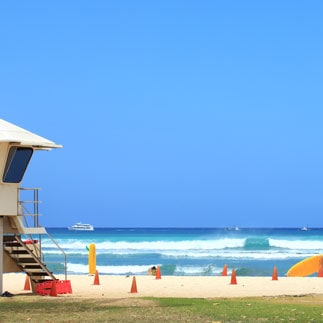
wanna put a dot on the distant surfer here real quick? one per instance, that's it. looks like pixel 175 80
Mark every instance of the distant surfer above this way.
pixel 152 271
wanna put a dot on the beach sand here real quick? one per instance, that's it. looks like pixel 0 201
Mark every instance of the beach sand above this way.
pixel 177 286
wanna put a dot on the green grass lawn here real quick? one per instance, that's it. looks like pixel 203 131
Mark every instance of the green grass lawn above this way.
pixel 66 309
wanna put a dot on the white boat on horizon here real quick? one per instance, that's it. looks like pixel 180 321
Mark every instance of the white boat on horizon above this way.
pixel 81 227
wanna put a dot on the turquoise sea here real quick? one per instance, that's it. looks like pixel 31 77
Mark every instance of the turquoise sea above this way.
pixel 183 251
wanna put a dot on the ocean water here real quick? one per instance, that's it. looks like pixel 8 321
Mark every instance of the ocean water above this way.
pixel 183 252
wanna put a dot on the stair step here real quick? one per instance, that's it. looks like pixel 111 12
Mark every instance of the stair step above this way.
pixel 17 251
pixel 12 244
pixel 15 243
pixel 9 238
pixel 34 270
pixel 43 273
pixel 26 260
pixel 21 251
pixel 31 266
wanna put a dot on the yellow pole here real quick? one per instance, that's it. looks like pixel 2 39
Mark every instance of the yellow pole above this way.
pixel 92 259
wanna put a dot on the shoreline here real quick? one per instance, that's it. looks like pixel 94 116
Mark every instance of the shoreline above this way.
pixel 117 287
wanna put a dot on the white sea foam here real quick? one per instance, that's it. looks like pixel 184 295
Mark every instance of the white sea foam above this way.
pixel 125 247
pixel 297 244
pixel 228 248
pixel 111 270
pixel 142 270
pixel 202 254
pixel 152 245
pixel 197 270
pixel 198 249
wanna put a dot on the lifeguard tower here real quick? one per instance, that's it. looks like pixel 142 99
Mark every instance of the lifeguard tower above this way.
pixel 20 251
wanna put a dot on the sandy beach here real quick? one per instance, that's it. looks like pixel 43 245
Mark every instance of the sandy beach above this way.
pixel 177 286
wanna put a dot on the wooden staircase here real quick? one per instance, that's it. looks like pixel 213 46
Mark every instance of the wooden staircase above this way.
pixel 23 253
pixel 28 258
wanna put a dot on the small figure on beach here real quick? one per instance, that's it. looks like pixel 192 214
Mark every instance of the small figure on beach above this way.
pixel 152 271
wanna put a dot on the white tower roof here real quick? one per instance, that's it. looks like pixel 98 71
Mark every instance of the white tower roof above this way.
pixel 14 134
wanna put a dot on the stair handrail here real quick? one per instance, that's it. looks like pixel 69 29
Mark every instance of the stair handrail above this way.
pixel 32 254
pixel 62 251
pixel 24 212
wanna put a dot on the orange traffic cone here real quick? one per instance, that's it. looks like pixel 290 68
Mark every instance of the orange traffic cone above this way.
pixel 275 274
pixel 27 283
pixel 233 277
pixel 134 286
pixel 96 278
pixel 225 270
pixel 53 291
pixel 320 272
pixel 158 274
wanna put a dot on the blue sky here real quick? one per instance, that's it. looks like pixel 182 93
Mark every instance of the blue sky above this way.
pixel 171 113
